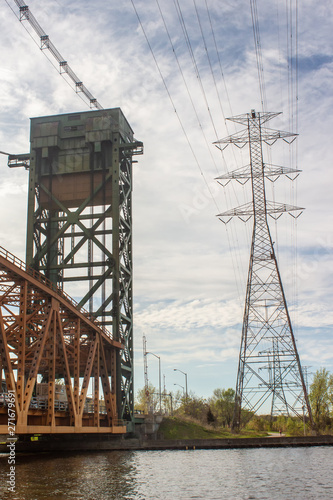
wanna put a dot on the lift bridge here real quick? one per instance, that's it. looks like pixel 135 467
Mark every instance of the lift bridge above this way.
pixel 68 362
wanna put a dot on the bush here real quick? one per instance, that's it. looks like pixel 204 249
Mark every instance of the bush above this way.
pixel 261 424
pixel 294 427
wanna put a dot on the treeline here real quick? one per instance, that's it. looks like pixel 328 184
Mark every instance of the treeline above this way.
pixel 217 411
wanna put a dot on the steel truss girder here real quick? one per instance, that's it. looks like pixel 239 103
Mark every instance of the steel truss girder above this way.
pixel 43 336
pixel 269 366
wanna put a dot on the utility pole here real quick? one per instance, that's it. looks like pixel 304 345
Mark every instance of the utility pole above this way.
pixel 159 377
pixel 185 374
pixel 269 370
pixel 145 365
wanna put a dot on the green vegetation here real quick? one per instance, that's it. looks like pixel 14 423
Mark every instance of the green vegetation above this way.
pixel 178 428
pixel 147 401
pixel 221 405
pixel 289 426
pixel 186 428
pixel 198 418
pixel 321 400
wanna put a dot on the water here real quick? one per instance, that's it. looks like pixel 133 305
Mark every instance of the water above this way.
pixel 280 473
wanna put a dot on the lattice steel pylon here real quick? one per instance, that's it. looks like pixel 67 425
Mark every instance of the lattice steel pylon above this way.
pixel 79 231
pixel 269 370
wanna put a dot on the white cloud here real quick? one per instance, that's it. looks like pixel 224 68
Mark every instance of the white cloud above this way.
pixel 180 315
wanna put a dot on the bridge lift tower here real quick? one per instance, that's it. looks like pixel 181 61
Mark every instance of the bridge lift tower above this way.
pixel 79 230
pixel 269 370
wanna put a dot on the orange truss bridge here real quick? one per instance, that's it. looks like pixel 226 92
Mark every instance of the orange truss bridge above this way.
pixel 59 363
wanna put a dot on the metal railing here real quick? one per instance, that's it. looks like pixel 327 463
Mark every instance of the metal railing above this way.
pixel 41 403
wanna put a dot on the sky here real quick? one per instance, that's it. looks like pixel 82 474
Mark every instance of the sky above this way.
pixel 190 269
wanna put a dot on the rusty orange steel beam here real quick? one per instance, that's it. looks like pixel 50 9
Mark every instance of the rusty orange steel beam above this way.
pixel 10 262
pixel 45 338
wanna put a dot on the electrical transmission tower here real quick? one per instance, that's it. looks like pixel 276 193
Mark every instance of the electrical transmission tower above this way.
pixel 269 370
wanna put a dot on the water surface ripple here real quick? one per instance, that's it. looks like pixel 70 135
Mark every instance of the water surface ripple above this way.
pixel 270 473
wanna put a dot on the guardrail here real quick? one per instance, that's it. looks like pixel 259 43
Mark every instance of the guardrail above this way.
pixel 40 403
pixel 45 281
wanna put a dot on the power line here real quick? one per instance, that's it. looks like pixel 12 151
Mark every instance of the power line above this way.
pixel 208 58
pixel 234 255
pixel 196 69
pixel 173 105
pixel 234 248
pixel 292 57
pixel 219 60
pixel 186 85
pixel 257 45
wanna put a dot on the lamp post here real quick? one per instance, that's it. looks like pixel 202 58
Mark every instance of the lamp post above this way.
pixel 186 394
pixel 159 376
pixel 181 387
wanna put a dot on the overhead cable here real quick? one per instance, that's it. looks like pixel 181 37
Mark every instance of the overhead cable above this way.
pixel 186 86
pixel 195 65
pixel 173 104
pixel 257 45
pixel 208 58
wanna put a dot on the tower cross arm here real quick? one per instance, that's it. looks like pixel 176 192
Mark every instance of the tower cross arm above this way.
pixel 269 171
pixel 242 210
pixel 270 136
pixel 239 139
pixel 267 135
pixel 271 208
pixel 263 116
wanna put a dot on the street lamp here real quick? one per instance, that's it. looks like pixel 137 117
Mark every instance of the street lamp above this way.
pixel 159 377
pixel 181 387
pixel 186 394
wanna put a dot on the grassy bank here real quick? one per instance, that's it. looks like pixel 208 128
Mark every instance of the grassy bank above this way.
pixel 182 428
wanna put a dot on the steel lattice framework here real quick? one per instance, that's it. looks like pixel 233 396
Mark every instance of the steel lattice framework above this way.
pixel 80 220
pixel 269 369
pixel 44 336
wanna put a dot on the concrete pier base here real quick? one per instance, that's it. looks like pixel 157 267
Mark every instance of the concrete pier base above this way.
pixel 103 443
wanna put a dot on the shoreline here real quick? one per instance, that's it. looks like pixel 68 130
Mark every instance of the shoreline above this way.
pixel 62 443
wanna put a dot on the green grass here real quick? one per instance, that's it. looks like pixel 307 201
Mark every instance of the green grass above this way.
pixel 177 428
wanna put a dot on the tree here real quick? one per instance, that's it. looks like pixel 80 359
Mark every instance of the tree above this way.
pixel 147 401
pixel 321 397
pixel 196 408
pixel 222 405
pixel 210 417
pixel 193 407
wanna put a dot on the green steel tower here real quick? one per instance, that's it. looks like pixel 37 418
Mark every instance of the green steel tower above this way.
pixel 79 230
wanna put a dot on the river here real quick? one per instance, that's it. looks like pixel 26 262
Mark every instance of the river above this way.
pixel 263 473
